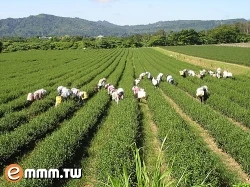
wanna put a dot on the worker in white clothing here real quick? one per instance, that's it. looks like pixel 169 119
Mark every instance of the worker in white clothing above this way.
pixel 155 82
pixel 141 76
pixel 110 88
pixel 150 76
pixel 66 93
pixel 59 89
pixel 170 79
pixel 117 95
pixel 101 83
pixel 75 91
pixel 159 77
pixel 120 93
pixel 39 94
pixel 202 93
pixel 137 81
pixel 218 73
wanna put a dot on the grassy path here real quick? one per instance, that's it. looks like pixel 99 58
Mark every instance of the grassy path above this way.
pixel 236 69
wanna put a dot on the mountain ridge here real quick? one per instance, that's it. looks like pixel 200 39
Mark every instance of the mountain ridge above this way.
pixel 51 25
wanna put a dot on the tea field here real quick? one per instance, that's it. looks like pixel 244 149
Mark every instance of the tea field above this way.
pixel 206 144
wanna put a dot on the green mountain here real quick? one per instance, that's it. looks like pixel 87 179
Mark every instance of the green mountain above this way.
pixel 50 25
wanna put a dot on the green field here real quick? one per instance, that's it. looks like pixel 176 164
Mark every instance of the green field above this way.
pixel 228 54
pixel 207 144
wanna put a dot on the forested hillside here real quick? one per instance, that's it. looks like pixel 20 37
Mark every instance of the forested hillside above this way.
pixel 50 25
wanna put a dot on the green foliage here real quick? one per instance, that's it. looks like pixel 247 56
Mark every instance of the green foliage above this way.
pixel 224 33
pixel 49 25
pixel 236 55
pixel 157 178
pixel 187 154
pixel 191 161
pixel 224 131
pixel 80 125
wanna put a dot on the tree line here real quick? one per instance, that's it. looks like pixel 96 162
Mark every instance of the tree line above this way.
pixel 235 33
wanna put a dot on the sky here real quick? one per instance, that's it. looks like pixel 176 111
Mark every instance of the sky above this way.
pixel 129 12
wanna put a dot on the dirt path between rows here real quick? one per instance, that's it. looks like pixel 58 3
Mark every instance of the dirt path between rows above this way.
pixel 236 69
pixel 205 63
pixel 156 143
pixel 240 125
pixel 225 158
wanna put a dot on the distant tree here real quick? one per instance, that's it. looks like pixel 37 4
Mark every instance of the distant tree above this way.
pixel 160 33
pixel 203 37
pixel 158 39
pixel 188 37
pixel 225 34
pixel 172 38
pixel 243 27
pixel 1 46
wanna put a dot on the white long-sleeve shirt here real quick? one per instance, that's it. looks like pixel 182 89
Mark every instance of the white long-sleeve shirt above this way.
pixel 149 75
pixel 154 81
pixel 137 81
pixel 201 91
pixel 169 78
pixel 65 92
pixel 110 88
pixel 75 91
pixel 159 76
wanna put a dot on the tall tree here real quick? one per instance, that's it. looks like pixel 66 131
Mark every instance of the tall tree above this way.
pixel 188 37
pixel 225 34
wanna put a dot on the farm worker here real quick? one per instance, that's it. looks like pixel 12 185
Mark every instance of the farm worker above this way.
pixel 120 93
pixel 111 89
pixel 117 95
pixel 59 89
pixel 159 77
pixel 202 73
pixel 191 73
pixel 211 73
pixel 107 85
pixel 75 91
pixel 79 97
pixel 137 81
pixel 58 100
pixel 218 70
pixel 155 82
pixel 84 95
pixel 170 79
pixel 227 74
pixel 66 93
pixel 141 94
pixel 101 83
pixel 218 73
pixel 114 96
pixel 141 75
pixel 135 89
pixel 183 73
pixel 39 94
pixel 202 93
pixel 149 76
pixel 30 97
